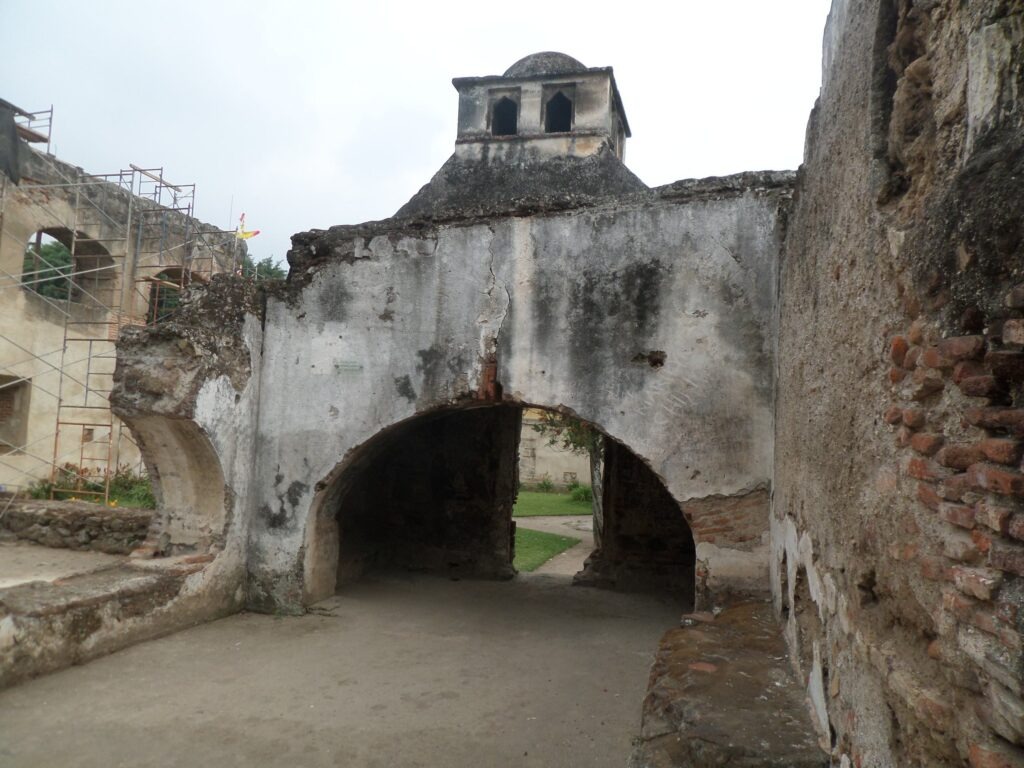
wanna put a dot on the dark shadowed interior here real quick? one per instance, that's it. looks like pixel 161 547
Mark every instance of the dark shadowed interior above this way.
pixel 436 494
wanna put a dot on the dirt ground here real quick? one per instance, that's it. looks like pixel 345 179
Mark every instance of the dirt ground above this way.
pixel 397 671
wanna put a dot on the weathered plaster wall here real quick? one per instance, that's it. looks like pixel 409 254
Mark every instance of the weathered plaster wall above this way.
pixel 187 389
pixel 592 103
pixel 190 392
pixel 650 318
pixel 897 478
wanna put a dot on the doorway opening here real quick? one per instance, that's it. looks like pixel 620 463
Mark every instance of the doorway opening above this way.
pixel 437 493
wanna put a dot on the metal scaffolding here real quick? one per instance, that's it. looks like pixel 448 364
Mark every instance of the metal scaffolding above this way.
pixel 127 266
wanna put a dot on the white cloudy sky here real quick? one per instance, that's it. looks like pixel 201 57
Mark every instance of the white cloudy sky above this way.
pixel 310 113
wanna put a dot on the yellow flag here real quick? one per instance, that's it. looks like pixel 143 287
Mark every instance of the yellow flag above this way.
pixel 240 232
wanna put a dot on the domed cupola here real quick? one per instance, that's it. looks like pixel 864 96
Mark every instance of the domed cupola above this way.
pixel 549 133
pixel 546 104
pixel 543 64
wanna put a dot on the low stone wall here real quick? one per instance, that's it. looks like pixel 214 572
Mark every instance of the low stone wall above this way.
pixel 48 626
pixel 75 525
pixel 721 692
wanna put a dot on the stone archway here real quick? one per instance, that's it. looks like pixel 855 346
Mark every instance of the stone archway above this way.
pixel 432 493
pixel 650 320
pixel 435 493
pixel 188 481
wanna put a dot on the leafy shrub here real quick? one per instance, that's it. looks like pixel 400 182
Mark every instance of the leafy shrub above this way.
pixel 40 489
pixel 132 490
pixel 126 488
pixel 70 480
pixel 544 485
pixel 581 492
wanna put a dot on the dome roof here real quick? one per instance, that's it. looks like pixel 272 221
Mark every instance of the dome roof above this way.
pixel 544 63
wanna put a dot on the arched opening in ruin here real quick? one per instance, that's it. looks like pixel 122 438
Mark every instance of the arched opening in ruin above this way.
pixel 505 117
pixel 165 291
pixel 558 114
pixel 61 264
pixel 192 498
pixel 436 494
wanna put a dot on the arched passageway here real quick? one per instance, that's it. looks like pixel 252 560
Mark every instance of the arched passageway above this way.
pixel 436 493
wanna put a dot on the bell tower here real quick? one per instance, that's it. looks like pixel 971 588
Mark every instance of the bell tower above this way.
pixel 546 104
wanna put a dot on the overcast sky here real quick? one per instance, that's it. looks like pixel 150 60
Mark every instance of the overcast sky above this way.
pixel 306 114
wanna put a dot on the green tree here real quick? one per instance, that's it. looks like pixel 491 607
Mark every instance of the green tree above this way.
pixel 47 270
pixel 567 432
pixel 264 269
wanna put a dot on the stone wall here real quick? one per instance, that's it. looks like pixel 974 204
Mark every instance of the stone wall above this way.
pixel 75 525
pixel 649 316
pixel 898 488
pixel 721 693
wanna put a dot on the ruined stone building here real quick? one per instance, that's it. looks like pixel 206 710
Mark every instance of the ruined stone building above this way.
pixel 133 245
pixel 810 387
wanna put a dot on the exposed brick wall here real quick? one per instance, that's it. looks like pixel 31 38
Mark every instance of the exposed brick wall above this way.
pixel 900 392
pixel 13 412
pixel 738 522
pixel 6 403
pixel 960 431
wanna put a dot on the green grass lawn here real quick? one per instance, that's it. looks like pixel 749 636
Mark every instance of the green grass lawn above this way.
pixel 535 503
pixel 534 548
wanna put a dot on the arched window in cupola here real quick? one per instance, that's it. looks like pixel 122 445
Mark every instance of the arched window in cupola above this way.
pixel 505 117
pixel 558 114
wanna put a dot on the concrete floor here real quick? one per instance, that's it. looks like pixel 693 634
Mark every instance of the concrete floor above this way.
pixel 21 562
pixel 397 671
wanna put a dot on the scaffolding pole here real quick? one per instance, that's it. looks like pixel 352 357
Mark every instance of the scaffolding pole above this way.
pixel 105 287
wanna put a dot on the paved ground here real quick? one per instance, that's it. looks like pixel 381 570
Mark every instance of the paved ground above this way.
pixel 578 526
pixel 397 672
pixel 22 562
